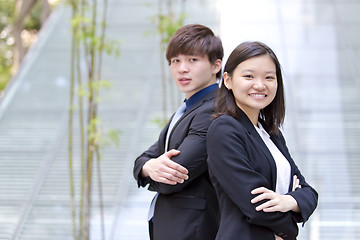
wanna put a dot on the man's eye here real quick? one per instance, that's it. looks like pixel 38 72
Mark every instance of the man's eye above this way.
pixel 175 60
pixel 193 59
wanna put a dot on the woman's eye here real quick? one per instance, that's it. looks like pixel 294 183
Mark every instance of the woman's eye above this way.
pixel 248 76
pixel 175 60
pixel 270 77
pixel 193 59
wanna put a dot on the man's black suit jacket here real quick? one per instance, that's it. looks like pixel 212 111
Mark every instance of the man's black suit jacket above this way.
pixel 187 211
pixel 239 162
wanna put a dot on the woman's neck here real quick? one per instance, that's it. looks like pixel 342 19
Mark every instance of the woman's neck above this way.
pixel 253 115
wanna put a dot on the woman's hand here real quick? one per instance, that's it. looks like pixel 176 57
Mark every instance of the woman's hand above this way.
pixel 296 183
pixel 276 202
pixel 278 238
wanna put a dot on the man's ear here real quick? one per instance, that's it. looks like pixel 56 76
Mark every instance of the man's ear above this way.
pixel 217 66
pixel 227 81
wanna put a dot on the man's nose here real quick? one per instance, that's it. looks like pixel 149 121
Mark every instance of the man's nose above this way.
pixel 183 67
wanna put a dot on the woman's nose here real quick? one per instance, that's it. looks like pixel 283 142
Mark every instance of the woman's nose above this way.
pixel 259 85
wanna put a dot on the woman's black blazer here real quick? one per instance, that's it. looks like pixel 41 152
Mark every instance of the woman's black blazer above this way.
pixel 239 162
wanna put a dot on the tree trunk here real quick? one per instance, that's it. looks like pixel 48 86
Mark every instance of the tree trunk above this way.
pixel 45 11
pixel 22 9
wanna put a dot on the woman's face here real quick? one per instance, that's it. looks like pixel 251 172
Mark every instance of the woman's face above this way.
pixel 254 84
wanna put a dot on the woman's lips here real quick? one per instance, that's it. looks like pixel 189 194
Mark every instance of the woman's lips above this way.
pixel 258 95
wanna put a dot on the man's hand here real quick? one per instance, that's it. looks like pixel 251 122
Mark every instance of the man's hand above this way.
pixel 165 170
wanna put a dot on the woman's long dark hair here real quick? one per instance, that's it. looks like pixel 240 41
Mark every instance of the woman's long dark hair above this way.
pixel 272 115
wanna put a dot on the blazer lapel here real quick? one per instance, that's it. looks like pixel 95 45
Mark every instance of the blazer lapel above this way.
pixel 196 105
pixel 162 136
pixel 245 121
pixel 278 143
pixel 277 140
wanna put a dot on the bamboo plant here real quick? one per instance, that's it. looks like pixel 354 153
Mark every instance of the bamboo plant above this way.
pixel 88 45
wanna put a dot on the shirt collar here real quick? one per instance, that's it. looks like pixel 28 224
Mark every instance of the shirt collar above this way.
pixel 261 130
pixel 197 96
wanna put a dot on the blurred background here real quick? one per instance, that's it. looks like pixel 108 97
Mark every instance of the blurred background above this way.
pixel 316 41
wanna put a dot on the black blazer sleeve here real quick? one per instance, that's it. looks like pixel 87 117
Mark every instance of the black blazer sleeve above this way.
pixel 232 161
pixel 189 137
pixel 306 196
pixel 152 152
pixel 192 149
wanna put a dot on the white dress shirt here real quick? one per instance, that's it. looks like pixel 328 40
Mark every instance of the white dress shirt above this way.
pixel 283 169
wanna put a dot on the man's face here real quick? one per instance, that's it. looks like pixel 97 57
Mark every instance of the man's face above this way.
pixel 192 73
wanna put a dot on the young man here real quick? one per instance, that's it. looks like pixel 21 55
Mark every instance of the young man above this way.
pixel 175 166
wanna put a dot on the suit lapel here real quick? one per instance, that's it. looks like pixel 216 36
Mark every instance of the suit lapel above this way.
pixel 245 121
pixel 277 140
pixel 196 105
pixel 162 137
pixel 278 143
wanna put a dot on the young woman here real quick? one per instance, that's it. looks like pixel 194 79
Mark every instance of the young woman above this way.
pixel 261 192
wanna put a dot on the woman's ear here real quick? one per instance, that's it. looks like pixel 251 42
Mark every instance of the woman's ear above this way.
pixel 227 81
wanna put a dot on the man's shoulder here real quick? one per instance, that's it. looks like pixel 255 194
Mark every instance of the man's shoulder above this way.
pixel 209 99
pixel 205 106
pixel 206 103
pixel 210 96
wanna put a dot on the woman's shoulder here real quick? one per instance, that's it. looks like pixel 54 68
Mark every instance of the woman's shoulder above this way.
pixel 225 123
pixel 225 118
